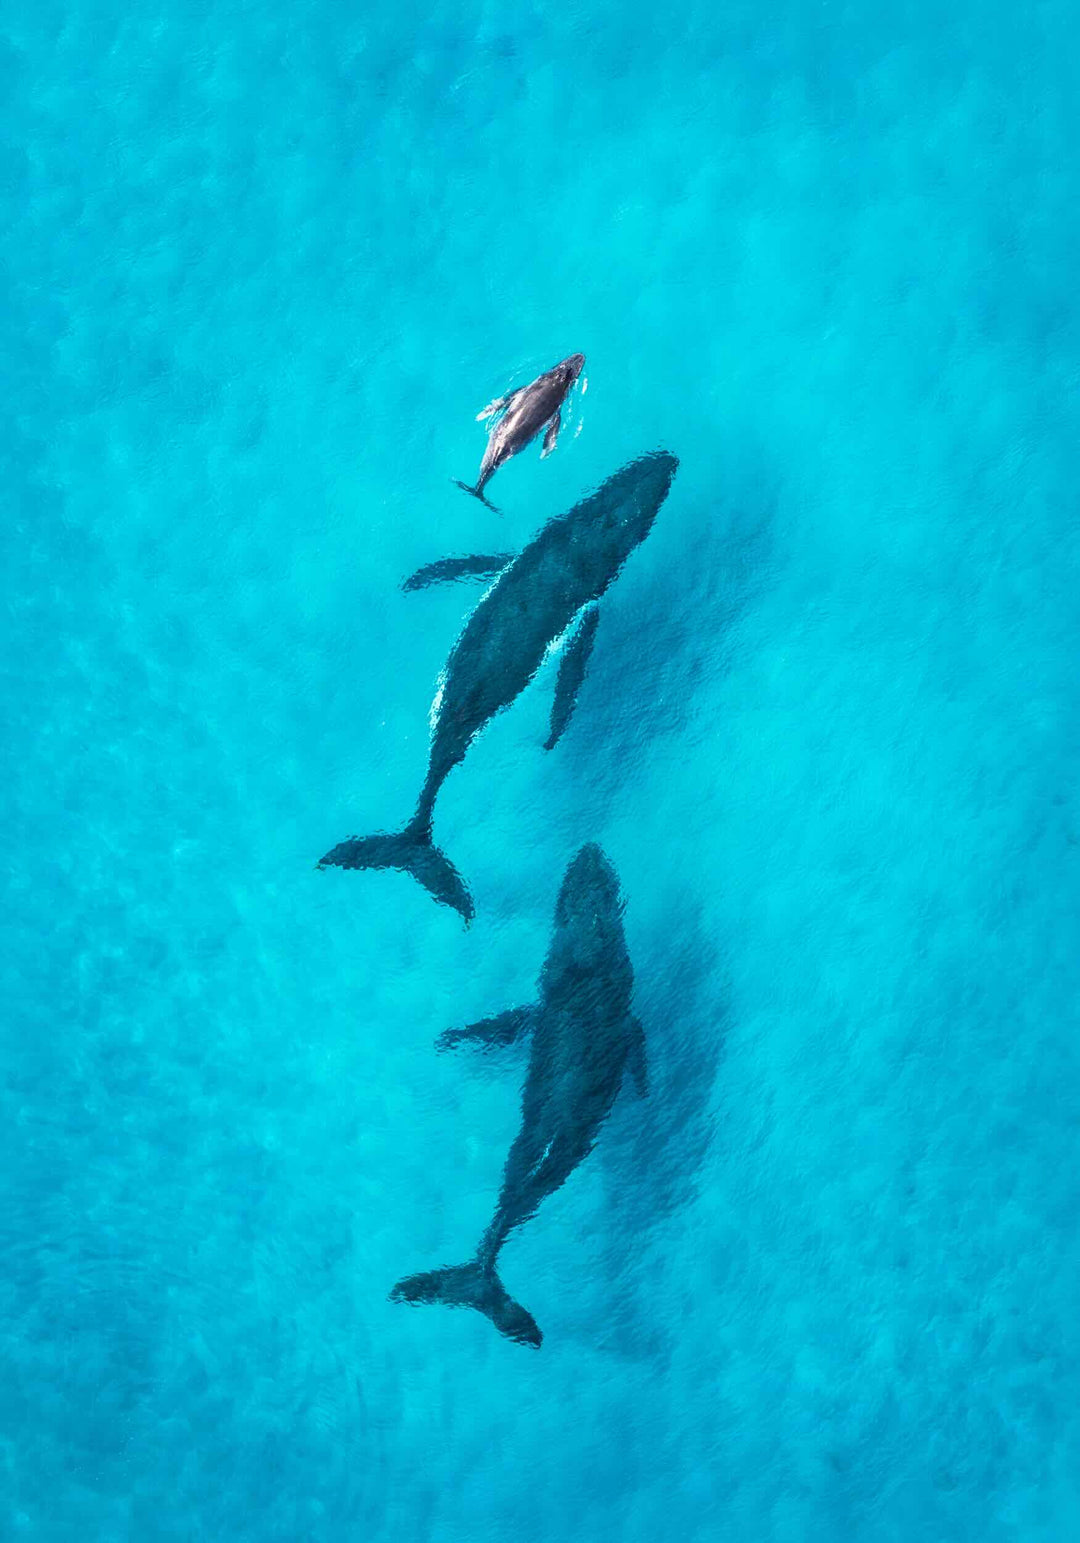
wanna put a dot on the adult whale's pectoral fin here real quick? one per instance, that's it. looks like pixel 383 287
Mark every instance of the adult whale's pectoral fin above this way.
pixel 552 435
pixel 636 1062
pixel 503 1029
pixel 572 669
pixel 448 569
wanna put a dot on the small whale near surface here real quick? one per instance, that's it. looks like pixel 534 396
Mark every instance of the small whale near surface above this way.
pixel 518 417
pixel 536 597
pixel 584 1040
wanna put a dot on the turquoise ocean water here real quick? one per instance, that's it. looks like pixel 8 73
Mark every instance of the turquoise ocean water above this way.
pixel 262 264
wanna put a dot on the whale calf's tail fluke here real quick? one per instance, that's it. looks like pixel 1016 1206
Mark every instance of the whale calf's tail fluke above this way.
pixel 477 492
pixel 471 1285
pixel 413 851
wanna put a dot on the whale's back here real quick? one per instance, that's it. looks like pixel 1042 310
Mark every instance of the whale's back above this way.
pixel 570 562
pixel 507 636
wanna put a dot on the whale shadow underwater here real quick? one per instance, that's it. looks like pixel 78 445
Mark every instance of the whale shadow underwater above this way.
pixel 584 1040
pixel 549 587
pixel 656 1158
pixel 702 583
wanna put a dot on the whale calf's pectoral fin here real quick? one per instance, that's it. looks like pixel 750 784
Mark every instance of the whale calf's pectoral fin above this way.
pixel 499 404
pixel 503 1029
pixel 572 667
pixel 552 435
pixel 636 1062
pixel 447 569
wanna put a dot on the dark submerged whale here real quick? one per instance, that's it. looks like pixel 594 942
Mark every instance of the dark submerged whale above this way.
pixel 534 600
pixel 584 1040
pixel 519 416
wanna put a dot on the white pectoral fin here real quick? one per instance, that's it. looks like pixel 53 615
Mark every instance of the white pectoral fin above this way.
pixel 497 406
pixel 552 435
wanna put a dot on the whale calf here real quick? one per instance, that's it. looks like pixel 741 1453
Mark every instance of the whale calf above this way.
pixel 535 598
pixel 584 1039
pixel 519 416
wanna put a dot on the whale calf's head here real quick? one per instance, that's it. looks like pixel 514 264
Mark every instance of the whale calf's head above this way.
pixel 569 369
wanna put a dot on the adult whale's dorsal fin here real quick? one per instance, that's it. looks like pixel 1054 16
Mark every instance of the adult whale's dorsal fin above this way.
pixel 552 435
pixel 572 669
pixel 503 1029
pixel 636 1061
pixel 448 569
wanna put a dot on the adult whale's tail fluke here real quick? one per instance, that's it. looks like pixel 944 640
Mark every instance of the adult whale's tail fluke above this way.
pixel 477 492
pixel 471 1285
pixel 413 851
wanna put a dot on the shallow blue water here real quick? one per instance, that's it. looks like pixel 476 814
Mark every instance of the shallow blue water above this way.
pixel 263 264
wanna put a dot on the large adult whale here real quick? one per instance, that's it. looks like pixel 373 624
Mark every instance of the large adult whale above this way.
pixel 518 417
pixel 584 1039
pixel 536 597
